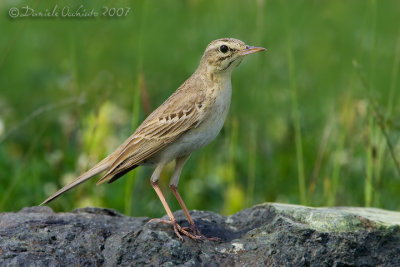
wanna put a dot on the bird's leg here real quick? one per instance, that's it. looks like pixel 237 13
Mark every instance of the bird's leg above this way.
pixel 177 228
pixel 173 185
pixel 192 227
pixel 178 197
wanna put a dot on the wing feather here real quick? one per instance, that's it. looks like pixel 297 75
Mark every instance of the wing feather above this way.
pixel 151 137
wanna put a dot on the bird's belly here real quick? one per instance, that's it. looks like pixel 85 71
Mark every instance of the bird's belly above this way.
pixel 202 135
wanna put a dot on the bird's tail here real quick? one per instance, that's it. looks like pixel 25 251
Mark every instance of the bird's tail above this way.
pixel 98 168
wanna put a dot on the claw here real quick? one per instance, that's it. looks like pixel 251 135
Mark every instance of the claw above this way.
pixel 193 229
pixel 199 235
pixel 195 235
pixel 177 229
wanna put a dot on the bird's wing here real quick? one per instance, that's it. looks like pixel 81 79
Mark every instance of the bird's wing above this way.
pixel 175 116
pixel 161 128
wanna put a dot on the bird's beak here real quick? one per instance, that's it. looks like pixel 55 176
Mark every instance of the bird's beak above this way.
pixel 251 49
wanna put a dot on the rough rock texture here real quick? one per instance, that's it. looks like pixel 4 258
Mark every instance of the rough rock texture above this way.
pixel 264 235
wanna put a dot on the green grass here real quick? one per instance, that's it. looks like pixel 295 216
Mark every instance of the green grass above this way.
pixel 314 120
pixel 295 107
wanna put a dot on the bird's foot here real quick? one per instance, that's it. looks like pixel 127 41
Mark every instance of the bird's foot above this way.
pixel 199 235
pixel 178 229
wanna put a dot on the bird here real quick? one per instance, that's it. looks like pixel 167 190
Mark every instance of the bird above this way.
pixel 188 120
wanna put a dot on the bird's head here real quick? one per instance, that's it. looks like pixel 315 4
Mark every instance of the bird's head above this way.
pixel 223 55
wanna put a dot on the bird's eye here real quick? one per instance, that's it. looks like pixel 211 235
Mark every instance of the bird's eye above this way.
pixel 223 48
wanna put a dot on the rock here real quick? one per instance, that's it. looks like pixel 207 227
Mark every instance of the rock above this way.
pixel 264 235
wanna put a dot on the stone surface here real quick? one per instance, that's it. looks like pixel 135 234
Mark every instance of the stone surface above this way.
pixel 264 235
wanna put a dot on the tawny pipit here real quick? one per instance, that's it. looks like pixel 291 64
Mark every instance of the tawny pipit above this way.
pixel 188 120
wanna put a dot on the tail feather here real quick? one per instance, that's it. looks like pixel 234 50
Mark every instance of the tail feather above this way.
pixel 98 168
pixel 103 165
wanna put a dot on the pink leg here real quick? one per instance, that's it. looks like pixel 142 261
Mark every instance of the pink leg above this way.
pixel 177 228
pixel 193 227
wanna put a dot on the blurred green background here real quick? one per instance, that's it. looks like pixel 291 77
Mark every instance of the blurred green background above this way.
pixel 314 120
